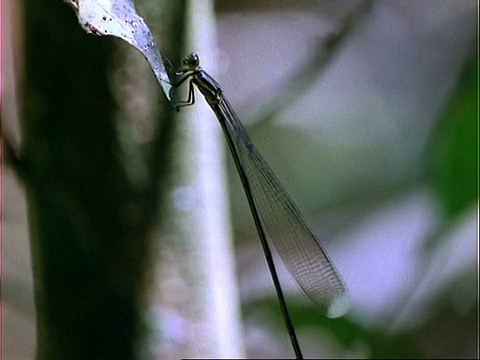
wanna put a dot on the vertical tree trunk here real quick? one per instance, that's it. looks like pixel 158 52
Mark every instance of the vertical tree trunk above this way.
pixel 94 186
pixel 200 292
pixel 89 225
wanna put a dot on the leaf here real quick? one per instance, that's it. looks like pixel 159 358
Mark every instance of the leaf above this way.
pixel 119 18
pixel 454 150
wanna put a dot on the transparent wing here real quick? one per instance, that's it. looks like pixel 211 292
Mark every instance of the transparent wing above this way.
pixel 284 225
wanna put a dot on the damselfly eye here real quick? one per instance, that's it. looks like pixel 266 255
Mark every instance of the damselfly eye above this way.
pixel 192 60
pixel 190 63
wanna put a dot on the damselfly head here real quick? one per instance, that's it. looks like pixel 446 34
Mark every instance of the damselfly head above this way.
pixel 190 63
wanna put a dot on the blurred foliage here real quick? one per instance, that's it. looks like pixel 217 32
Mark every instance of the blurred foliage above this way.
pixel 454 147
pixel 452 171
pixel 424 341
pixel 349 333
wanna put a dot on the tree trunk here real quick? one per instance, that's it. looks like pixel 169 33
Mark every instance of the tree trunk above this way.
pixel 89 222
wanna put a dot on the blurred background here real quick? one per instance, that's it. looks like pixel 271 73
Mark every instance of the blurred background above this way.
pixel 374 135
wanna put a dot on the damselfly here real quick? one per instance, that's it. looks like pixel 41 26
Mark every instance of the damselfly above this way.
pixel 276 216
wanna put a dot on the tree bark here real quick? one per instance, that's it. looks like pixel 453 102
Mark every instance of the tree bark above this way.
pixel 89 224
